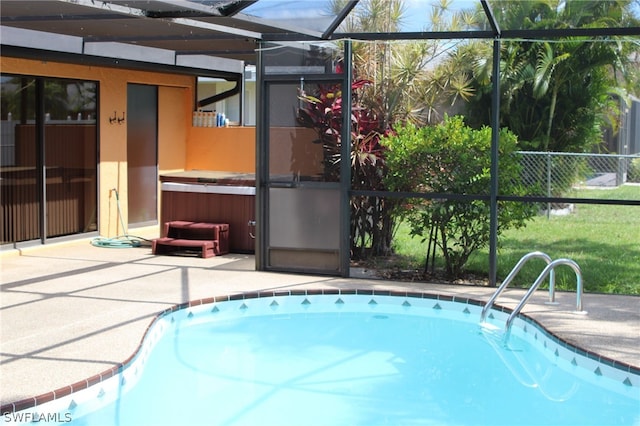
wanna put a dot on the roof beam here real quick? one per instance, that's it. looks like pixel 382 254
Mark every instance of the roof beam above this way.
pixel 454 35
pixel 85 59
pixel 140 13
pixel 184 9
pixel 461 35
pixel 104 5
pixel 341 17
pixel 142 39
pixel 75 18
pixel 491 17
pixel 131 52
pixel 571 32
pixel 38 41
pixel 209 62
pixel 215 27
pixel 32 39
pixel 217 53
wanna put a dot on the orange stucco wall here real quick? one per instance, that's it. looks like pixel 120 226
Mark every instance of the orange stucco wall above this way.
pixel 232 149
pixel 174 112
pixel 175 102
pixel 229 149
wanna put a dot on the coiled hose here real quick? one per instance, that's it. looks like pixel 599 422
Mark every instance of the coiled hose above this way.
pixel 121 241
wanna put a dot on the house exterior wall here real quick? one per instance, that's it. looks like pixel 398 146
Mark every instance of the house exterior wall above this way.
pixel 229 149
pixel 180 146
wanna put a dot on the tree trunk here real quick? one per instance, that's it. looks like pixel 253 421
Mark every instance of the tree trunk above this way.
pixel 552 111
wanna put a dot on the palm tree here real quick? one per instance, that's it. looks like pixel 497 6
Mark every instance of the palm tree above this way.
pixel 551 92
pixel 402 88
pixel 407 84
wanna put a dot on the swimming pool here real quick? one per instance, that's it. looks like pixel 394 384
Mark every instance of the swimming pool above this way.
pixel 352 358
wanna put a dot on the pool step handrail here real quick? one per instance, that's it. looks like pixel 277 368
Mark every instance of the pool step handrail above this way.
pixel 524 259
pixel 547 270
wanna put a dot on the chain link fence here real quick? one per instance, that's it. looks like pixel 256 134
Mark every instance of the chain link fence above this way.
pixel 555 174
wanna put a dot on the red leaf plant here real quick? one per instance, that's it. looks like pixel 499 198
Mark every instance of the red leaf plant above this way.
pixel 371 221
pixel 322 111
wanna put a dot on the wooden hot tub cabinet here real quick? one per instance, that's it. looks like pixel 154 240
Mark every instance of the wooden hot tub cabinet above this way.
pixel 214 197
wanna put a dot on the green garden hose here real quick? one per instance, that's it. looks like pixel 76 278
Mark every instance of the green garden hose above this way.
pixel 122 241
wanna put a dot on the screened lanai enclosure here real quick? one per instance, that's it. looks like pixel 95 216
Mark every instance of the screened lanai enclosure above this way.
pixel 476 131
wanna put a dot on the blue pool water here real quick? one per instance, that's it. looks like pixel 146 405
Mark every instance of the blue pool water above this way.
pixel 354 360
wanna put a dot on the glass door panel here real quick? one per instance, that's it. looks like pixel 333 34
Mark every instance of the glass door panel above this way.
pixel 70 156
pixel 19 174
pixel 142 154
pixel 303 185
pixel 48 158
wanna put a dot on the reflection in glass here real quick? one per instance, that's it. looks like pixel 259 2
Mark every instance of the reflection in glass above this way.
pixel 56 149
pixel 314 15
pixel 304 58
pixel 301 150
pixel 20 196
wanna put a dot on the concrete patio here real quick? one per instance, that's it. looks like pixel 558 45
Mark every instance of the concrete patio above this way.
pixel 70 311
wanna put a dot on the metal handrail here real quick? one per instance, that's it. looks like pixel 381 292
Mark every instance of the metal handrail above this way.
pixel 524 259
pixel 549 269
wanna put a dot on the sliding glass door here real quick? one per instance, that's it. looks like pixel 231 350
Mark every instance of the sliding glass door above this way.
pixel 49 158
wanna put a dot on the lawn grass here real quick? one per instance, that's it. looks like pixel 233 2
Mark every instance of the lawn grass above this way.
pixel 604 240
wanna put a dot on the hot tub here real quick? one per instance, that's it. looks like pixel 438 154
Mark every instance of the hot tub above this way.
pixel 212 196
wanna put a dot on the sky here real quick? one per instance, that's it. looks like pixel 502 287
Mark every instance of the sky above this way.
pixel 309 13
